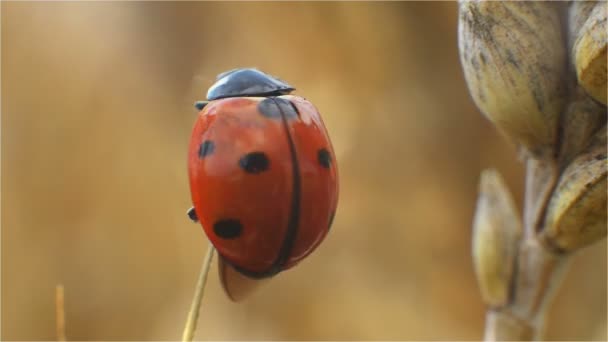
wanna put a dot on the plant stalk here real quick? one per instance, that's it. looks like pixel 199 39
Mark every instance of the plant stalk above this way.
pixel 60 313
pixel 539 268
pixel 190 328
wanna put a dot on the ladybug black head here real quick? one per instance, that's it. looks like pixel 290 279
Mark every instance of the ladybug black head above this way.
pixel 247 82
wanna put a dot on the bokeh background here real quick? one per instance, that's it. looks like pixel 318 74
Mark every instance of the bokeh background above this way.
pixel 96 118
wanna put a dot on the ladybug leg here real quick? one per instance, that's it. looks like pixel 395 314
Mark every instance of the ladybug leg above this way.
pixel 192 214
pixel 199 105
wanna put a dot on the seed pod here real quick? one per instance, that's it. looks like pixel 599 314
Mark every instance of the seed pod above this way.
pixel 576 213
pixel 578 12
pixel 496 233
pixel 582 118
pixel 514 61
pixel 589 47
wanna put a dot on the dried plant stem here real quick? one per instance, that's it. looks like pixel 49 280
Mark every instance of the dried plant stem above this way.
pixel 538 275
pixel 190 328
pixel 539 269
pixel 60 312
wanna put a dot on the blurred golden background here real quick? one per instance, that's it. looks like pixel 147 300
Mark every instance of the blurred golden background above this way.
pixel 97 108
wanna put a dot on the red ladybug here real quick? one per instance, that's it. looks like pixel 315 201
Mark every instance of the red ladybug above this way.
pixel 263 173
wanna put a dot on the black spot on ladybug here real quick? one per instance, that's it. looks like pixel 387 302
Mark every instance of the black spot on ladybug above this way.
pixel 324 158
pixel 228 229
pixel 331 219
pixel 206 148
pixel 254 162
pixel 272 107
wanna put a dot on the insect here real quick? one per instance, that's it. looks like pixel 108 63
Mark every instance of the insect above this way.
pixel 263 174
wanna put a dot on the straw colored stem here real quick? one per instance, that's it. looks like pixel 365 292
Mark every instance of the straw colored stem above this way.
pixel 501 326
pixel 60 312
pixel 190 328
pixel 539 269
pixel 538 275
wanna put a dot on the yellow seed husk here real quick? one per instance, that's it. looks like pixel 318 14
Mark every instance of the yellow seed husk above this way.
pixel 581 120
pixel 496 234
pixel 589 47
pixel 514 60
pixel 578 12
pixel 576 214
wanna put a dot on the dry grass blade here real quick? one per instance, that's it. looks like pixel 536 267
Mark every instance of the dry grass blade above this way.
pixel 190 327
pixel 60 312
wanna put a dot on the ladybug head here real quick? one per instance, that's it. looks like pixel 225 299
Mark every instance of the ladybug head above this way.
pixel 247 82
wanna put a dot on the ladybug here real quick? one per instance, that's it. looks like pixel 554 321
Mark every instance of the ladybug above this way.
pixel 263 174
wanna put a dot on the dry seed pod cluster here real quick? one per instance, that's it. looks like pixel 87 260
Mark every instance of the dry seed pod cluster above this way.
pixel 546 92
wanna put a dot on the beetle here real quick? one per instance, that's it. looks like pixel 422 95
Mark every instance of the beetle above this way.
pixel 263 173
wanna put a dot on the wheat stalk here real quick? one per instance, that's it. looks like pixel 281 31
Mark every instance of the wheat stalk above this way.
pixel 537 70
